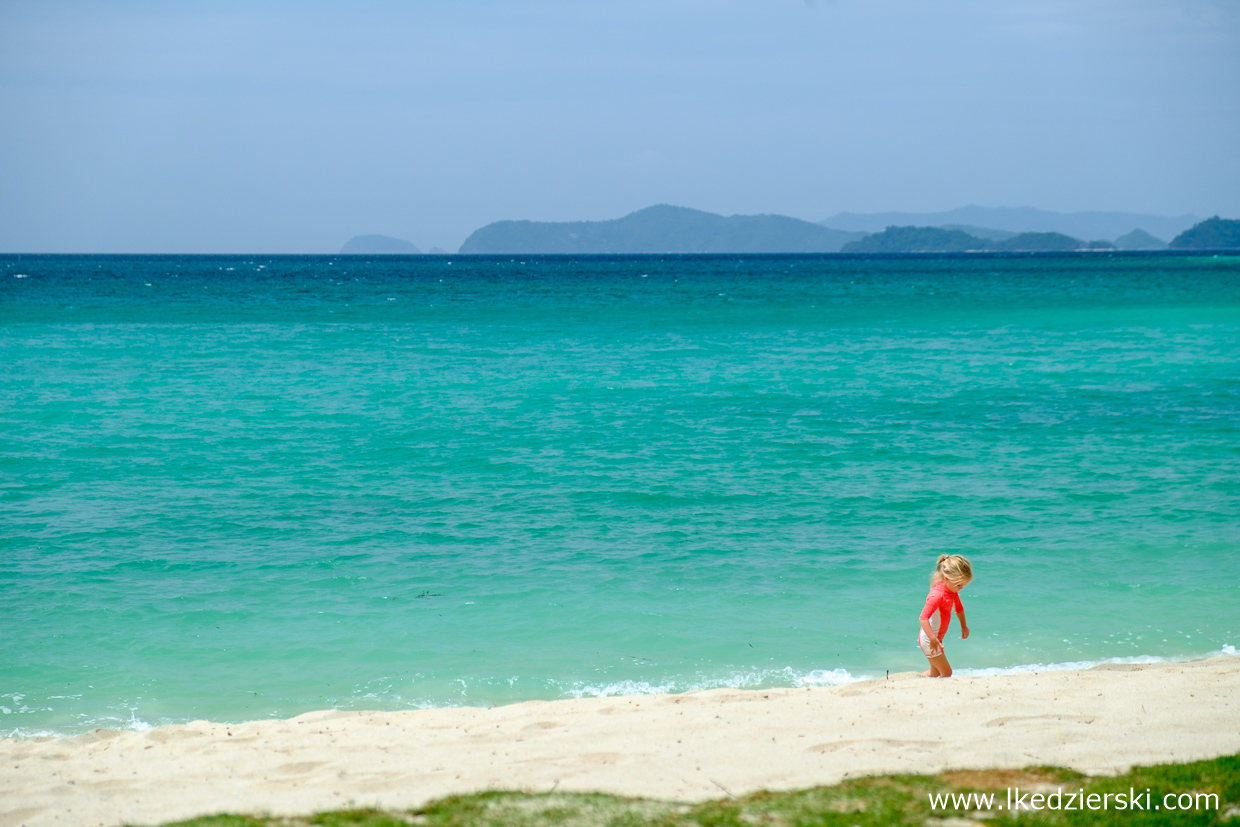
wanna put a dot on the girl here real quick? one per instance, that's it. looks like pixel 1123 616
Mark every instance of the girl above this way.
pixel 951 574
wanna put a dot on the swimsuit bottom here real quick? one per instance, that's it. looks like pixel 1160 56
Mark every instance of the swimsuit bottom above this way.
pixel 924 643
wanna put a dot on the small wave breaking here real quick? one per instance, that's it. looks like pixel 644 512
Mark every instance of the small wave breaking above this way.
pixel 112 722
pixel 785 677
pixel 1075 665
pixel 756 679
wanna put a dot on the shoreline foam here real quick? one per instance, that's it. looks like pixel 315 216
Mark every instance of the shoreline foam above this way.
pixel 684 747
pixel 626 688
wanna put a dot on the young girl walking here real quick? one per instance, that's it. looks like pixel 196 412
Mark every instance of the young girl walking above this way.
pixel 951 574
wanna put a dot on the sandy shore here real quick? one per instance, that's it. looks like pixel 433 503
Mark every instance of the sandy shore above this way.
pixel 689 747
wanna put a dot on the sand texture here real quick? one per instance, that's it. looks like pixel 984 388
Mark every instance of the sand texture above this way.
pixel 688 747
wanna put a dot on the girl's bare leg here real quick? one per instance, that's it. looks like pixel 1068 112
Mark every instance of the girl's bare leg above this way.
pixel 939 667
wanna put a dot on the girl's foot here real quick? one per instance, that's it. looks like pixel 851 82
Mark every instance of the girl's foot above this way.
pixel 929 673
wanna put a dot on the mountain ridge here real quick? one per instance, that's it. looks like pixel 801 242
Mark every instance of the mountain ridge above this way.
pixel 1093 224
pixel 378 245
pixel 941 240
pixel 661 228
pixel 1212 234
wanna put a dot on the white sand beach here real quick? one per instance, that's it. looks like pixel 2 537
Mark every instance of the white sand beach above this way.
pixel 688 747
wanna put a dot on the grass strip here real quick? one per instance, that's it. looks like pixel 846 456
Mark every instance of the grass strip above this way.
pixel 1203 793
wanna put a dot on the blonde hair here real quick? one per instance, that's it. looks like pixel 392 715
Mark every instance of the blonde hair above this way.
pixel 951 567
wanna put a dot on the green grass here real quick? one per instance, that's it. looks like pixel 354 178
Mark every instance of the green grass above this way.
pixel 880 800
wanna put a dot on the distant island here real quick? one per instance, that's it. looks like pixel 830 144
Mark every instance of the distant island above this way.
pixel 668 229
pixel 1139 240
pixel 940 240
pixel 377 245
pixel 915 240
pixel 660 229
pixel 984 222
pixel 1212 234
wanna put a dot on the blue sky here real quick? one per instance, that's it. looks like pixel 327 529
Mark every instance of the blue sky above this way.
pixel 290 127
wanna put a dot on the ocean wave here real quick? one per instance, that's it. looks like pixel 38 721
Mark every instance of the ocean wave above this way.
pixel 112 722
pixel 785 677
pixel 1033 668
pixel 756 679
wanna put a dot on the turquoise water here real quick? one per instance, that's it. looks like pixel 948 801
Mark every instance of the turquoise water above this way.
pixel 234 488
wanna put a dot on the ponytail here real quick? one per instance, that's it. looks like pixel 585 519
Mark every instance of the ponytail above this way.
pixel 952 567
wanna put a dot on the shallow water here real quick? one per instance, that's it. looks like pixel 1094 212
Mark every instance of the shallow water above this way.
pixel 239 487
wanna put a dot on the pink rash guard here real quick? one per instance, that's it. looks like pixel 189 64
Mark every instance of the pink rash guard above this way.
pixel 939 605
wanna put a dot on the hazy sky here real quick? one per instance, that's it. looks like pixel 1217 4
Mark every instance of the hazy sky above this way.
pixel 290 127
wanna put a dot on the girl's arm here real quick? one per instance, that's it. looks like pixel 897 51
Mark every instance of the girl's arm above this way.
pixel 935 643
pixel 964 626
